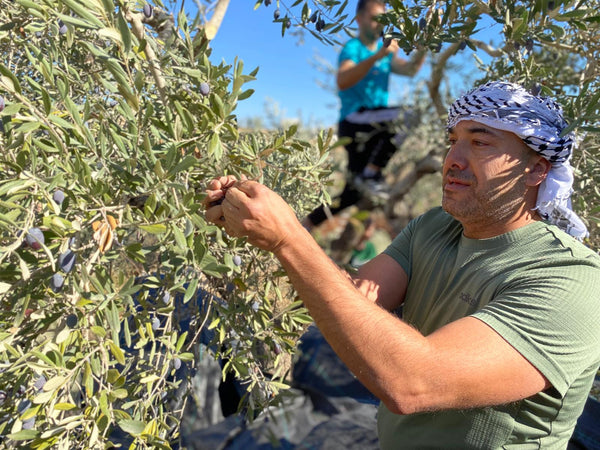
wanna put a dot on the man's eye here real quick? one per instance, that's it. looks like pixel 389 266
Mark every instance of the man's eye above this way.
pixel 451 141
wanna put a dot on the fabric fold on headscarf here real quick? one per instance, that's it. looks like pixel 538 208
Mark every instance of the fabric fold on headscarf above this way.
pixel 539 122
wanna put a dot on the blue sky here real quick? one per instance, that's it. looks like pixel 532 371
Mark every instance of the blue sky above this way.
pixel 287 79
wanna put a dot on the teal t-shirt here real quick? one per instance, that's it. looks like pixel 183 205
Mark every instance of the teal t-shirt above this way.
pixel 540 290
pixel 372 90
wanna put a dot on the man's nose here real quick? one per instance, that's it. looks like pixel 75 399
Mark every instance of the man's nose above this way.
pixel 456 156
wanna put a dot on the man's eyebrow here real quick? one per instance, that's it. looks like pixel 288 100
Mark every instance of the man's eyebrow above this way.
pixel 476 130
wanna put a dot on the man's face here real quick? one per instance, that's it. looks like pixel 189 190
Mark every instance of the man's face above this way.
pixel 484 174
pixel 368 27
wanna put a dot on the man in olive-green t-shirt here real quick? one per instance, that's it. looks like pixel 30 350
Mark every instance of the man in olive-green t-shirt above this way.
pixel 538 288
pixel 499 339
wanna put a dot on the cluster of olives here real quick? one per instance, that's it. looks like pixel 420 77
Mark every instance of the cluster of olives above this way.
pixel 35 239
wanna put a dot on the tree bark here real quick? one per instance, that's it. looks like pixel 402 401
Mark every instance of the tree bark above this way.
pixel 213 25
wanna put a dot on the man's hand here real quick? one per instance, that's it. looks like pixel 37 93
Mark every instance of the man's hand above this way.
pixel 215 194
pixel 389 46
pixel 248 208
pixel 350 72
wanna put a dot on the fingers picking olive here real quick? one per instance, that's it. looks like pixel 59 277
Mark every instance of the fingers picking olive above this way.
pixel 216 202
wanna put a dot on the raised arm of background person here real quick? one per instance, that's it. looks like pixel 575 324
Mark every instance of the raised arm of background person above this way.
pixel 408 67
pixel 350 72
pixel 464 364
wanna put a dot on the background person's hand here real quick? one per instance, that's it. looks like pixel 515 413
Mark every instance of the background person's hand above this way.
pixel 391 47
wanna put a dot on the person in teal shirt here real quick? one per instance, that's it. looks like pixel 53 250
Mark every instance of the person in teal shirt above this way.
pixel 498 343
pixel 364 67
pixel 372 90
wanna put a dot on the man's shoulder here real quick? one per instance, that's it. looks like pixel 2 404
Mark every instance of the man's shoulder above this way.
pixel 353 43
pixel 559 239
pixel 351 48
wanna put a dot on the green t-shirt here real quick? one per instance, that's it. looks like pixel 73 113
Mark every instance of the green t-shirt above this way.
pixel 540 290
pixel 364 255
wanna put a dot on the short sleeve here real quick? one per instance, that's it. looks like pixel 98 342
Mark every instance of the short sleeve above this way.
pixel 350 51
pixel 400 248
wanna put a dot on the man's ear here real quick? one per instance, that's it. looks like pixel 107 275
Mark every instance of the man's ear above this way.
pixel 537 169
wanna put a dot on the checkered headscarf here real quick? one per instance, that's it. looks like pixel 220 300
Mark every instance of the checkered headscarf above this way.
pixel 539 123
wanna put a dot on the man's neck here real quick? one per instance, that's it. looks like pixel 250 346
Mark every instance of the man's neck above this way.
pixel 479 230
pixel 368 41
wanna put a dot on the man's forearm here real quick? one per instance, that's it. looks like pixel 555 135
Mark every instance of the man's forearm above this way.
pixel 350 76
pixel 410 67
pixel 375 345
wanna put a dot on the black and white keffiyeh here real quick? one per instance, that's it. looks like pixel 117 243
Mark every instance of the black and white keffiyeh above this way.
pixel 539 122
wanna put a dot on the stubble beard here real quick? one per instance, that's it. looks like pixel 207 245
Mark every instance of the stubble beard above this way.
pixel 493 205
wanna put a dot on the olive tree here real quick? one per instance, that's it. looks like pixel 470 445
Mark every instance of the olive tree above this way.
pixel 113 121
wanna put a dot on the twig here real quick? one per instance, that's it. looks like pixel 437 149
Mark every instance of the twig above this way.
pixel 138 30
pixel 493 52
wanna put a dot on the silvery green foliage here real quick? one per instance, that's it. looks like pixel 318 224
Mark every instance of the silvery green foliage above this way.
pixel 107 104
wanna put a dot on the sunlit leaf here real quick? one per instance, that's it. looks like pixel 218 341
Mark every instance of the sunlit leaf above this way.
pixel 133 427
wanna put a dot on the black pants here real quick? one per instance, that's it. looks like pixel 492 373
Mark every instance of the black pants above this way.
pixel 371 143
